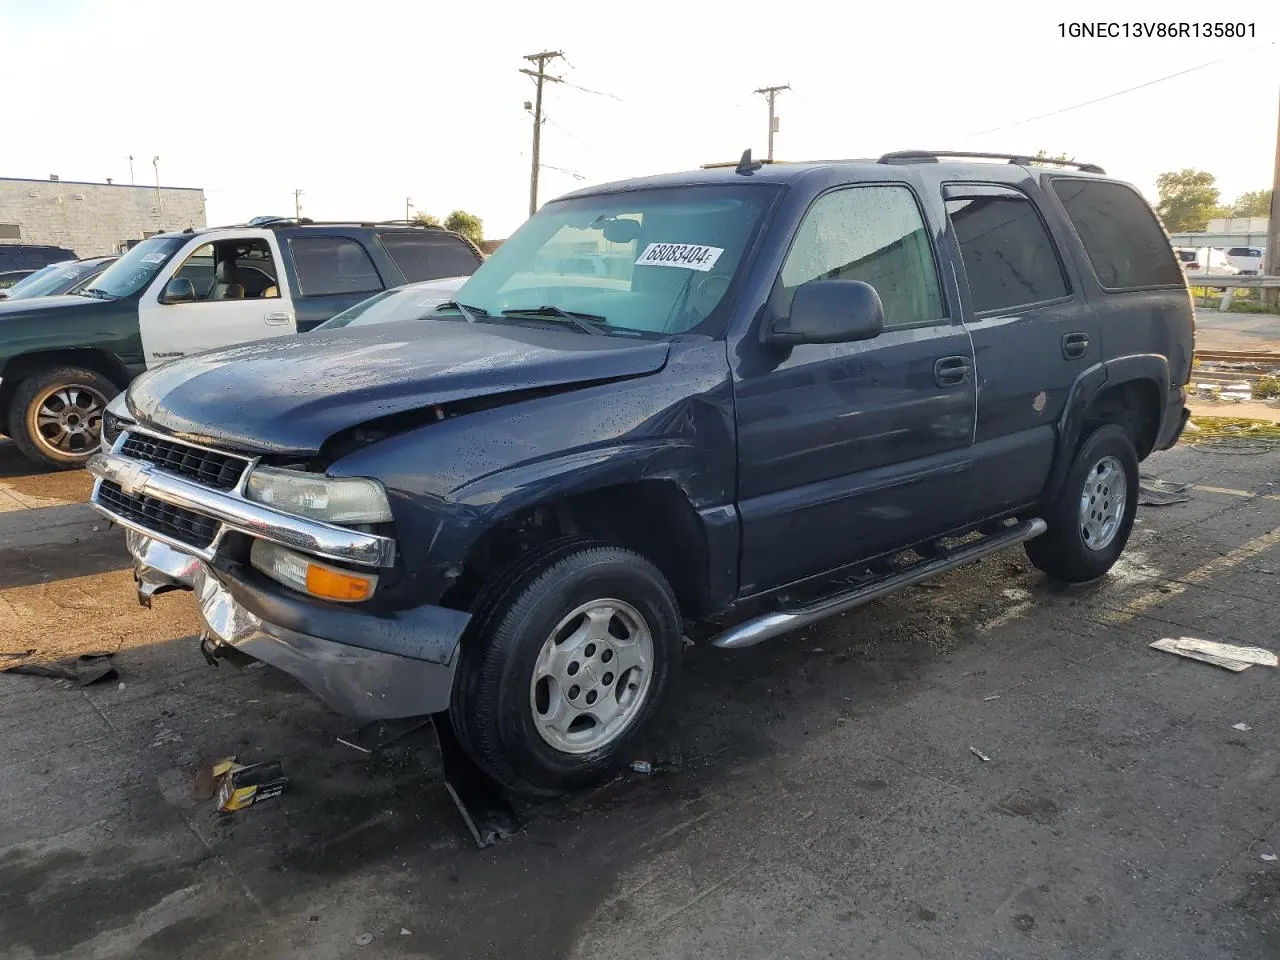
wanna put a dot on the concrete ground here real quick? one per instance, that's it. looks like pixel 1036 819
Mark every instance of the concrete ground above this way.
pixel 1257 332
pixel 814 797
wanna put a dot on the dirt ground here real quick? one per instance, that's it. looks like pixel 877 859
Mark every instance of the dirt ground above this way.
pixel 812 797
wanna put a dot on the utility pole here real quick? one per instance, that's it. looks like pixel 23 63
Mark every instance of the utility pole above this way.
pixel 408 203
pixel 297 204
pixel 540 76
pixel 1271 265
pixel 131 180
pixel 155 162
pixel 771 94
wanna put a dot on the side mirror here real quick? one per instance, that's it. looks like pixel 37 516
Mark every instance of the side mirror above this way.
pixel 178 290
pixel 830 311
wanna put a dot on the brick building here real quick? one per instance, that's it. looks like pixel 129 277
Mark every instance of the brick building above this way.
pixel 93 219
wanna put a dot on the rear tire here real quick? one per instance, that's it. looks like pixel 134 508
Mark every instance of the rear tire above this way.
pixel 1088 529
pixel 564 666
pixel 55 416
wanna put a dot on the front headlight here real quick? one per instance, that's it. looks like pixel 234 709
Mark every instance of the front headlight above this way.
pixel 115 418
pixel 342 500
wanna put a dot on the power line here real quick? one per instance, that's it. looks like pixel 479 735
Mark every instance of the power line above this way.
pixel 1118 93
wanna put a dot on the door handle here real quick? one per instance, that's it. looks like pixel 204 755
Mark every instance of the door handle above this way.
pixel 951 371
pixel 277 319
pixel 1074 345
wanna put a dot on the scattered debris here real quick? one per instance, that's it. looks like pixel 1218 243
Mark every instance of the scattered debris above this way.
pixel 121 687
pixel 83 670
pixel 994 696
pixel 642 766
pixel 1242 727
pixel 313 918
pixel 372 737
pixel 243 786
pixel 1269 857
pixel 18 654
pixel 208 774
pixel 364 939
pixel 979 754
pixel 1161 493
pixel 817 649
pixel 404 932
pixel 1223 655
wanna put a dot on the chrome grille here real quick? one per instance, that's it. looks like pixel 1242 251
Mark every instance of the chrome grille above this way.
pixel 181 524
pixel 220 471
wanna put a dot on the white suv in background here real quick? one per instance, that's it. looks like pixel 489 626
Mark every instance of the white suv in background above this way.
pixel 1195 260
pixel 1248 260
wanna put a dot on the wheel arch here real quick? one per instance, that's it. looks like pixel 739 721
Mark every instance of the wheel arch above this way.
pixel 24 365
pixel 1126 390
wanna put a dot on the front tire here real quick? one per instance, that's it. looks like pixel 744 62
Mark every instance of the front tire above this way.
pixel 55 416
pixel 564 666
pixel 1090 521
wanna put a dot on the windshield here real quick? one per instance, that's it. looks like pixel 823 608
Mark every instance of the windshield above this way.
pixel 134 270
pixel 16 291
pixel 658 260
pixel 51 280
pixel 400 303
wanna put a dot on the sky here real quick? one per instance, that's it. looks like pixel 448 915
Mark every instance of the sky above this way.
pixel 363 105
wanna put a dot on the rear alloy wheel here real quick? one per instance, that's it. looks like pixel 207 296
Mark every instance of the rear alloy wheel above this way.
pixel 1090 520
pixel 568 656
pixel 56 416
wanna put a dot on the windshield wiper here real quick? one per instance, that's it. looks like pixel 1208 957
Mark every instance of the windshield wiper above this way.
pixel 98 294
pixel 587 322
pixel 469 312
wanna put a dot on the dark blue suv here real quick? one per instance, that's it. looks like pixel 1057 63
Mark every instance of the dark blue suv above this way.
pixel 749 396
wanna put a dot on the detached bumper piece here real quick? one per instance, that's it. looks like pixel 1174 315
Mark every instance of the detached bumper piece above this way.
pixel 349 675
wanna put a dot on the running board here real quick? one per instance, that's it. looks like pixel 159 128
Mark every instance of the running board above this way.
pixel 770 625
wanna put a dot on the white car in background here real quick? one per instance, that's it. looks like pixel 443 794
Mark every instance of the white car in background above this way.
pixel 1248 260
pixel 1195 260
pixel 413 301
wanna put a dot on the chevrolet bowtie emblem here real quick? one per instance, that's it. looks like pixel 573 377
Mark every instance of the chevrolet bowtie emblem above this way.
pixel 132 478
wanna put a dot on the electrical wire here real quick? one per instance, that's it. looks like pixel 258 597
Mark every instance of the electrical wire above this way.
pixel 1118 93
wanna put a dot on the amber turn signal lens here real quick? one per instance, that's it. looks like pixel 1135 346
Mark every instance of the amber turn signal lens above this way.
pixel 337 584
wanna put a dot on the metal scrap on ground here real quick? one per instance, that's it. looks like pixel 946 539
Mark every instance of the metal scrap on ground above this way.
pixel 1223 655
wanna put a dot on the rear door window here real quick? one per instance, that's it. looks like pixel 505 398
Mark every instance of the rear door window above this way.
pixel 425 256
pixel 1008 254
pixel 329 265
pixel 1125 244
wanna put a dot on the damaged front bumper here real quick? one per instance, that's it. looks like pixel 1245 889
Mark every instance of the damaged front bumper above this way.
pixel 360 665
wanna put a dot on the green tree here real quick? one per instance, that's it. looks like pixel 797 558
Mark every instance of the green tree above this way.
pixel 1188 199
pixel 1255 203
pixel 467 224
pixel 426 219
pixel 1043 154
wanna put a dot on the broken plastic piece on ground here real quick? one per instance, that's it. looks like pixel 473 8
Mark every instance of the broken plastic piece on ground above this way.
pixel 641 766
pixel 994 696
pixel 1269 857
pixel 404 932
pixel 979 754
pixel 1242 727
pixel 85 669
pixel 208 774
pixel 364 939
pixel 1223 655
pixel 372 737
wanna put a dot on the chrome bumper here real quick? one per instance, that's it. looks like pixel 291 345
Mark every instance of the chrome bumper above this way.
pixel 351 680
pixel 233 512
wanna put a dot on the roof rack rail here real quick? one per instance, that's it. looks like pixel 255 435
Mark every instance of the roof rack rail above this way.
pixel 1022 159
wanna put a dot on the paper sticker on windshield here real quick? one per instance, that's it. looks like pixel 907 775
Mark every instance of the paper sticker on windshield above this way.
pixel 153 258
pixel 690 256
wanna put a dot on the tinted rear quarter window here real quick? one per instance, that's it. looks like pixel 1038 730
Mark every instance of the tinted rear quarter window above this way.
pixel 423 256
pixel 329 265
pixel 1125 244
pixel 1008 255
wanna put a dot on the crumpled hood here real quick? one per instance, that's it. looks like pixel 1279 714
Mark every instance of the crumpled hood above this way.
pixel 289 395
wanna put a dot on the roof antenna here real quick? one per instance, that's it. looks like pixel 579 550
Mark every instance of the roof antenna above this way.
pixel 746 166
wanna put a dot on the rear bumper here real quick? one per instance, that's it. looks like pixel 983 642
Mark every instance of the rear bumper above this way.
pixel 381 668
